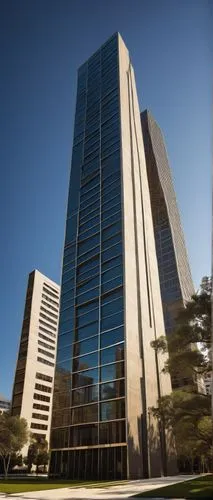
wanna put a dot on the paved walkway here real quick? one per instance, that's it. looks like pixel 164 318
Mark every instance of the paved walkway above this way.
pixel 120 492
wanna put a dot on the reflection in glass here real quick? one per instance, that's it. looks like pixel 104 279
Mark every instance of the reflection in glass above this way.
pixel 88 377
pixel 85 395
pixel 88 413
pixel 112 390
pixel 112 354
pixel 111 372
pixel 85 362
pixel 112 410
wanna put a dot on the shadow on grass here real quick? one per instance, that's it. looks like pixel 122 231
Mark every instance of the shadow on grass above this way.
pixel 201 488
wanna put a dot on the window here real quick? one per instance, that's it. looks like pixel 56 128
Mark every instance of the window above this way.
pixel 87 285
pixel 112 354
pixel 87 331
pixel 50 327
pixel 88 377
pixel 46 304
pixel 111 273
pixel 85 362
pixel 87 413
pixel 112 321
pixel 92 253
pixel 42 351
pixel 39 426
pixel 46 338
pixel 47 318
pixel 90 232
pixel 112 263
pixel 47 346
pixel 112 337
pixel 39 416
pixel 112 241
pixel 90 223
pixel 41 397
pixel 112 390
pixel 109 285
pixel 67 326
pixel 38 406
pixel 65 340
pixel 86 296
pixel 42 388
pixel 88 244
pixel 41 376
pixel 46 331
pixel 84 435
pixel 87 266
pixel 44 361
pixel 90 317
pixel 112 432
pixel 111 230
pixel 111 305
pixel 48 312
pixel 113 410
pixel 64 353
pixel 112 252
pixel 85 395
pixel 112 372
pixel 86 346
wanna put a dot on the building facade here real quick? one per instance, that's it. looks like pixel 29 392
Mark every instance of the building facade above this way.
pixel 4 404
pixel 174 272
pixel 107 376
pixel 34 376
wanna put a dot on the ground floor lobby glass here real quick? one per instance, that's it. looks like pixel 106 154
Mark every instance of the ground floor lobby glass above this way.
pixel 91 463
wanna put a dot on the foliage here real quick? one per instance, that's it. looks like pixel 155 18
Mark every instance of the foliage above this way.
pixel 186 411
pixel 13 436
pixel 37 453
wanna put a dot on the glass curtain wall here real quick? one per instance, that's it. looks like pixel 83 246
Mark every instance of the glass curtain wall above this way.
pixel 89 394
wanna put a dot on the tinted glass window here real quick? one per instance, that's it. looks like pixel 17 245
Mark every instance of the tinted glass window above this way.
pixel 88 361
pixel 87 331
pixel 112 354
pixel 111 372
pixel 109 285
pixel 87 413
pixel 65 340
pixel 64 353
pixel 112 337
pixel 112 390
pixel 85 395
pixel 112 321
pixel 88 318
pixel 84 297
pixel 88 345
pixel 88 377
pixel 113 410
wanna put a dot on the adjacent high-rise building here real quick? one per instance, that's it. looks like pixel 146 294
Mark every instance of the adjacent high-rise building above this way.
pixel 4 404
pixel 107 375
pixel 174 272
pixel 33 383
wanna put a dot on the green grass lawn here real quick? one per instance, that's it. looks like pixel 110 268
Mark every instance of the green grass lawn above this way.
pixel 202 487
pixel 23 485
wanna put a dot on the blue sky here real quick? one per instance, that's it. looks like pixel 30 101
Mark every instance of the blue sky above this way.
pixel 42 44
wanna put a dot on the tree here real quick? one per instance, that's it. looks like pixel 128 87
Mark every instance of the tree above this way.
pixel 31 455
pixel 186 411
pixel 13 436
pixel 37 453
pixel 42 459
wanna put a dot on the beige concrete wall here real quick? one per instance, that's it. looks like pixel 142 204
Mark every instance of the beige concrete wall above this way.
pixel 143 307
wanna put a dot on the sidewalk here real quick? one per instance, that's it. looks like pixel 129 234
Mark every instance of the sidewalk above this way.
pixel 120 492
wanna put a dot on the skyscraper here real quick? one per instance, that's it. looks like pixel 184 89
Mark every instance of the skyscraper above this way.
pixel 106 372
pixel 33 383
pixel 174 272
